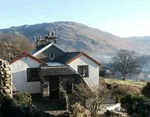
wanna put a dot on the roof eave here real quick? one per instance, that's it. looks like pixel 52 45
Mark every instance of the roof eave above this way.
pixel 24 55
pixel 80 54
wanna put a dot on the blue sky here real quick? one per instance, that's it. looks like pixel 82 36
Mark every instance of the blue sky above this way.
pixel 123 18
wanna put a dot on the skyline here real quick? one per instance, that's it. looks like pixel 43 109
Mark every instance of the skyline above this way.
pixel 121 18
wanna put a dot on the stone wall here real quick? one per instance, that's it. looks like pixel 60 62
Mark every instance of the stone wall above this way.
pixel 45 90
pixel 63 93
pixel 5 80
pixel 80 91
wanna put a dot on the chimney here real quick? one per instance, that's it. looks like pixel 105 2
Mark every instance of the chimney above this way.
pixel 53 33
pixel 49 34
pixel 40 41
pixel 51 37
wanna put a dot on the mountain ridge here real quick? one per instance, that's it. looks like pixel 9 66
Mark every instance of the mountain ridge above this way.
pixel 74 36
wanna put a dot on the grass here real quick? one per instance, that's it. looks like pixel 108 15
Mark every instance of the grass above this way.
pixel 139 84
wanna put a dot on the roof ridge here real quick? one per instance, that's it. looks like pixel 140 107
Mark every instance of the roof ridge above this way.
pixel 47 46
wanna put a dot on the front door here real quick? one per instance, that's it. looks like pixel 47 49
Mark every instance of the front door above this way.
pixel 54 88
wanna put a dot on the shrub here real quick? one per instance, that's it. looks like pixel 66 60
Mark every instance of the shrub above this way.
pixel 146 90
pixel 117 99
pixel 125 89
pixel 74 109
pixel 102 73
pixel 136 104
pixel 77 109
pixel 111 114
pixel 25 98
pixel 9 108
pixel 111 86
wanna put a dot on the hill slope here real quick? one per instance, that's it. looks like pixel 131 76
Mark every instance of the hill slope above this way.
pixel 143 39
pixel 74 36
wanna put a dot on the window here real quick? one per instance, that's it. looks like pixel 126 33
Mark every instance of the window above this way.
pixel 32 75
pixel 51 56
pixel 83 70
pixel 69 88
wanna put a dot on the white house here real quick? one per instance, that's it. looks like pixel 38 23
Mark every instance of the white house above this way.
pixel 42 70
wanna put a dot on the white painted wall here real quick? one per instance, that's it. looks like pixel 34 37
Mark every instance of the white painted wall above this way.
pixel 19 73
pixel 93 79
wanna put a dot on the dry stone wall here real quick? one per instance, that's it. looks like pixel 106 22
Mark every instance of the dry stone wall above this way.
pixel 5 80
pixel 45 90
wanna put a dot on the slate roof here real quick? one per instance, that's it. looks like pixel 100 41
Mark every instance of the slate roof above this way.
pixel 37 49
pixel 64 70
pixel 68 57
pixel 65 59
pixel 57 70
pixel 43 47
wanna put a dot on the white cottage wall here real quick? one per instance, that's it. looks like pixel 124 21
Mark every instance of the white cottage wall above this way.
pixel 93 79
pixel 19 73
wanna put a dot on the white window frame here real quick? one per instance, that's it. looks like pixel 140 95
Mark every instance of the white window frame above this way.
pixel 50 56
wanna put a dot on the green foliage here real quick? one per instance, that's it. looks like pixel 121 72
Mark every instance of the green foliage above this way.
pixel 74 109
pixel 111 114
pixel 136 104
pixel 146 90
pixel 117 99
pixel 25 98
pixel 10 108
pixel 102 73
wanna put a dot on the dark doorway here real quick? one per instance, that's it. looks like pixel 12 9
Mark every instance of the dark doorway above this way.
pixel 54 88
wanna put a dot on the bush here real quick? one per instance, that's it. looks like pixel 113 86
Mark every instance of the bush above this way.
pixel 125 89
pixel 117 99
pixel 146 90
pixel 111 114
pixel 10 108
pixel 75 109
pixel 102 73
pixel 25 98
pixel 136 104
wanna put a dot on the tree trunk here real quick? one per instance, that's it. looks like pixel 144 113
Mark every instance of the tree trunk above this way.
pixel 124 76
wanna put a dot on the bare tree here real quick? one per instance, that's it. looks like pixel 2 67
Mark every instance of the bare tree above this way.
pixel 100 96
pixel 13 44
pixel 125 62
pixel 82 95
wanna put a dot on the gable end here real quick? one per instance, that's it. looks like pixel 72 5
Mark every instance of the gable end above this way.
pixel 80 54
pixel 24 55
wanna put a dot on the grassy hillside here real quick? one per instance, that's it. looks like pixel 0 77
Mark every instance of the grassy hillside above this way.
pixel 139 84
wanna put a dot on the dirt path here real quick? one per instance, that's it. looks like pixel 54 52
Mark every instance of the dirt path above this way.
pixel 101 113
